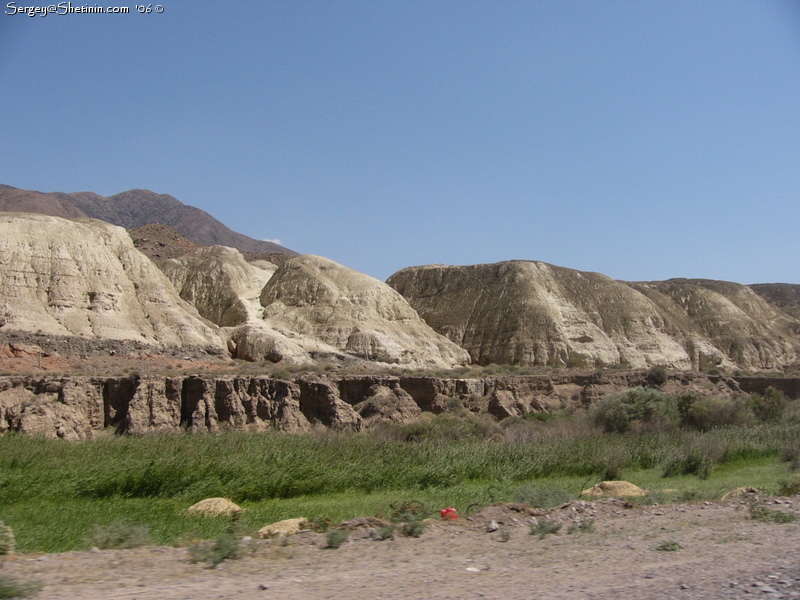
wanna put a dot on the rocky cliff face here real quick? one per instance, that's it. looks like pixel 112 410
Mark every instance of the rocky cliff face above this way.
pixel 85 279
pixel 219 283
pixel 77 408
pixel 532 313
pixel 747 330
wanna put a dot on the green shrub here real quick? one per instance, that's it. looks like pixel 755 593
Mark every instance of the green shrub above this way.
pixel 6 539
pixel 657 376
pixel 542 496
pixel 412 528
pixel 704 414
pixel 620 412
pixel 226 545
pixel 543 528
pixel 769 407
pixel 13 588
pixel 408 510
pixel 768 515
pixel 583 526
pixel 384 533
pixel 789 487
pixel 120 534
pixel 669 546
pixel 790 452
pixel 692 462
pixel 336 537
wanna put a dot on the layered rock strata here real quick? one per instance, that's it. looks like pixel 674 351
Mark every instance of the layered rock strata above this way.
pixel 317 306
pixel 533 313
pixel 76 408
pixel 85 279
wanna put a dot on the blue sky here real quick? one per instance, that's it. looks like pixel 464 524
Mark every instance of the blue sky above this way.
pixel 641 139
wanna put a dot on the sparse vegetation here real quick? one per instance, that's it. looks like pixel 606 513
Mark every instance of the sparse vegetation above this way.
pixel 10 587
pixel 335 538
pixel 789 487
pixel 543 496
pixel 225 546
pixel 120 534
pixel 668 546
pixel 545 527
pixel 384 533
pixel 760 512
pixel 583 526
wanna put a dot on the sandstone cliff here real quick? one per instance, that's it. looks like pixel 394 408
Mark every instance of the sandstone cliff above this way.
pixel 77 408
pixel 85 279
pixel 532 313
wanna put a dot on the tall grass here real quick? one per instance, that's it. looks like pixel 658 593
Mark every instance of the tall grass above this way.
pixel 53 492
pixel 260 466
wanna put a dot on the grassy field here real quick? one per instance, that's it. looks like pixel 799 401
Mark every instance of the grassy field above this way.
pixel 54 493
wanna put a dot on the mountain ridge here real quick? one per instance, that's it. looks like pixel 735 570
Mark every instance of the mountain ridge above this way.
pixel 136 208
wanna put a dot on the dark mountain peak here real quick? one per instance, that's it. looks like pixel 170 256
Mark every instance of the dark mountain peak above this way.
pixel 136 208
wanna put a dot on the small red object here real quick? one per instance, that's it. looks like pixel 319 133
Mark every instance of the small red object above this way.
pixel 449 514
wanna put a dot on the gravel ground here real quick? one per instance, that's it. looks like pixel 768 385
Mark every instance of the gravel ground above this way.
pixel 723 553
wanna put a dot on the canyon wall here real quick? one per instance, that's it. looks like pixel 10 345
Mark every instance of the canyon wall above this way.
pixel 77 408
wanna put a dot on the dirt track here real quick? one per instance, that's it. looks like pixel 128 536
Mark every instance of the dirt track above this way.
pixel 725 554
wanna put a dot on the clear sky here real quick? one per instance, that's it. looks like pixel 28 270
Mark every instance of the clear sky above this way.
pixel 641 139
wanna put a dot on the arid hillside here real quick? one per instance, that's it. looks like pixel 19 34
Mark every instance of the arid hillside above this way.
pixel 533 313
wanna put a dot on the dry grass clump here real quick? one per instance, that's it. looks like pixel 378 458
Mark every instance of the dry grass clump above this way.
pixel 283 528
pixel 616 489
pixel 214 507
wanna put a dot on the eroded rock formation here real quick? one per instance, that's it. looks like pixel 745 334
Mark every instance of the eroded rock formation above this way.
pixel 76 408
pixel 321 306
pixel 533 313
pixel 85 279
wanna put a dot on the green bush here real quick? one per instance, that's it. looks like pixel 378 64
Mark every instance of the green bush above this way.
pixel 543 528
pixel 120 534
pixel 384 533
pixel 669 546
pixel 335 538
pixel 212 553
pixel 704 414
pixel 769 407
pixel 768 515
pixel 620 412
pixel 13 588
pixel 692 462
pixel 412 528
pixel 583 526
pixel 657 376
pixel 789 487
pixel 790 452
